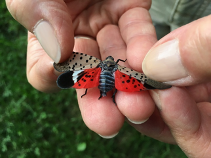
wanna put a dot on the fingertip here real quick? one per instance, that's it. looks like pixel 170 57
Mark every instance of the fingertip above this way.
pixel 165 58
pixel 137 49
pixel 109 136
pixel 51 23
pixel 136 106
pixel 181 58
pixel 138 122
pixel 102 116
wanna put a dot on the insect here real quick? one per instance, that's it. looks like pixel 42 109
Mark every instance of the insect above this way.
pixel 85 71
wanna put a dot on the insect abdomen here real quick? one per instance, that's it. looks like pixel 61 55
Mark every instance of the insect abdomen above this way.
pixel 106 82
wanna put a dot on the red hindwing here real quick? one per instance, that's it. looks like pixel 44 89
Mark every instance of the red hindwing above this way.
pixel 88 78
pixel 127 83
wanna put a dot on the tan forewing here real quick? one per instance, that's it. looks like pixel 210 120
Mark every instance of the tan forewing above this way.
pixel 77 61
pixel 148 83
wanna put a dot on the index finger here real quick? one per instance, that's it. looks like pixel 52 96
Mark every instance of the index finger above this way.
pixel 101 116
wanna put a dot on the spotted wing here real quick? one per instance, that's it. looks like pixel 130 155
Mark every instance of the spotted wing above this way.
pixel 142 78
pixel 126 83
pixel 87 78
pixel 77 61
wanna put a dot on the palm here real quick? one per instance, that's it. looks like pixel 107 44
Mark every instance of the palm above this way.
pixel 114 30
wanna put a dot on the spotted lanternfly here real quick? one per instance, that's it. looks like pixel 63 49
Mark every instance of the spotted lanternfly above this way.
pixel 85 71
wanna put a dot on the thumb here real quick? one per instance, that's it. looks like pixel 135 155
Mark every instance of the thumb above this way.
pixel 54 32
pixel 182 57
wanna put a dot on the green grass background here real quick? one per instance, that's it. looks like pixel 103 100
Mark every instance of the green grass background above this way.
pixel 35 124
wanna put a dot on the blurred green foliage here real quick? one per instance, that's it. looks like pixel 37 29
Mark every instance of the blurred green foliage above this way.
pixel 35 124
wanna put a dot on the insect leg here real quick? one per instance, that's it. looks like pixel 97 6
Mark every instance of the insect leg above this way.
pixel 113 96
pixel 84 93
pixel 121 60
pixel 100 95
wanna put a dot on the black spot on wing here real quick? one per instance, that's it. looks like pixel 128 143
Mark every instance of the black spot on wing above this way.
pixel 65 81
pixel 84 80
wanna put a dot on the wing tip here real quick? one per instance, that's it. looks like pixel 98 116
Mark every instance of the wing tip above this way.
pixel 152 84
pixel 65 81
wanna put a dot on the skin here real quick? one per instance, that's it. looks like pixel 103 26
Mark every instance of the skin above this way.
pixel 183 114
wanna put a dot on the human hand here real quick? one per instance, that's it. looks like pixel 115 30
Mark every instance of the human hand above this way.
pixel 122 29
pixel 183 59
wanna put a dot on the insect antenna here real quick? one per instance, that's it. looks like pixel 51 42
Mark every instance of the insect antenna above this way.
pixel 121 60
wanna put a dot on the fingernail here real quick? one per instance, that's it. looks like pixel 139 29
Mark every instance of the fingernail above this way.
pixel 57 73
pixel 83 37
pixel 108 137
pixel 47 38
pixel 163 63
pixel 137 122
pixel 156 98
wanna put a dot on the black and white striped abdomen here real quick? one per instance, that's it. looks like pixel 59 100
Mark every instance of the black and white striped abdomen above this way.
pixel 106 82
